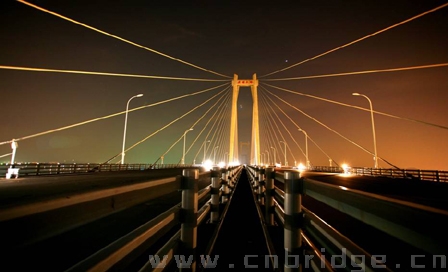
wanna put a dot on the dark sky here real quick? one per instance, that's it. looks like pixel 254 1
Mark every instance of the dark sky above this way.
pixel 239 38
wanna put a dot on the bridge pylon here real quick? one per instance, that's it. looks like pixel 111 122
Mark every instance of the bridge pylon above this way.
pixel 255 140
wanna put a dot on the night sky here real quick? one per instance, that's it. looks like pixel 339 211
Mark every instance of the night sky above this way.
pixel 256 37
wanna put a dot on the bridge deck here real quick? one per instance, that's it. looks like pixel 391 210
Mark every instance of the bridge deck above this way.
pixel 240 242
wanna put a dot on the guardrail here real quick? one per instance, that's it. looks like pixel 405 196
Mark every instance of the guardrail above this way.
pixel 90 206
pixel 184 242
pixel 417 225
pixel 417 174
pixel 76 210
pixel 38 169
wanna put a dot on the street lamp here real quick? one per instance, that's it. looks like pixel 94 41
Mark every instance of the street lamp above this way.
pixel 306 148
pixel 214 154
pixel 275 159
pixel 205 144
pixel 286 162
pixel 373 127
pixel 269 159
pixel 183 153
pixel 125 124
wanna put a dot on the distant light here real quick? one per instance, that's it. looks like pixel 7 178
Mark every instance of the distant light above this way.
pixel 346 169
pixel 355 94
pixel 343 188
pixel 139 95
pixel 278 165
pixel 221 164
pixel 234 163
pixel 207 165
pixel 301 167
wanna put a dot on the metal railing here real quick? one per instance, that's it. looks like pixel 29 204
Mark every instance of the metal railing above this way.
pixel 184 241
pixel 416 174
pixel 39 169
pixel 417 225
pixel 121 252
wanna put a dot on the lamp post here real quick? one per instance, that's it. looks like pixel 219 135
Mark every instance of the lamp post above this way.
pixel 205 144
pixel 306 148
pixel 214 154
pixel 286 162
pixel 125 124
pixel 183 153
pixel 269 159
pixel 275 159
pixel 373 127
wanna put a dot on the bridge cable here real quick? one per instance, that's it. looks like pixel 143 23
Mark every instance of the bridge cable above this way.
pixel 33 69
pixel 266 139
pixel 311 139
pixel 356 107
pixel 191 145
pixel 327 127
pixel 265 97
pixel 169 124
pixel 360 39
pixel 266 107
pixel 270 138
pixel 186 152
pixel 222 116
pixel 223 133
pixel 109 116
pixel 218 123
pixel 225 139
pixel 202 117
pixel 269 117
pixel 169 149
pixel 220 107
pixel 192 126
pixel 119 38
pixel 360 72
pixel 5 155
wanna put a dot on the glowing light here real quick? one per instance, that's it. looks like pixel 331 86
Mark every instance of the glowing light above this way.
pixel 346 169
pixel 221 164
pixel 301 167
pixel 278 165
pixel 234 163
pixel 343 188
pixel 208 165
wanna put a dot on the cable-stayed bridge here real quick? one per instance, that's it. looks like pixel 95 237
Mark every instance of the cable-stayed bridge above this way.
pixel 244 184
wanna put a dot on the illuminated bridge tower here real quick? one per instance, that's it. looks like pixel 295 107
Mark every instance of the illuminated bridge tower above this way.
pixel 255 141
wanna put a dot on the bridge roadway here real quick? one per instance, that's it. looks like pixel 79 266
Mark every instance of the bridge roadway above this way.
pixel 60 252
pixel 241 241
